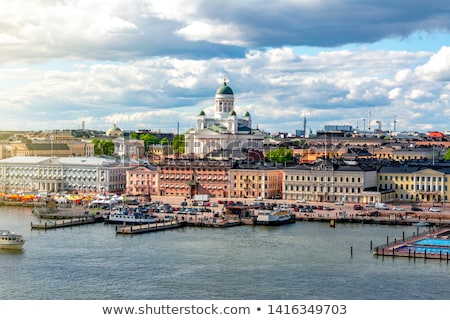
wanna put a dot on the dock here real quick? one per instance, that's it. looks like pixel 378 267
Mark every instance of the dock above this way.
pixel 430 244
pixel 62 223
pixel 150 227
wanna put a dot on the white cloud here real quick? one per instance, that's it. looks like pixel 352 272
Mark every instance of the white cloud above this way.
pixel 438 67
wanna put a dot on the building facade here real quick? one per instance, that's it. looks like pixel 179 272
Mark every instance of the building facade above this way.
pixel 416 183
pixel 329 181
pixel 142 181
pixel 255 182
pixel 67 174
pixel 181 177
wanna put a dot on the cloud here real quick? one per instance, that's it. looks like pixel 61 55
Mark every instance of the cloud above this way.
pixel 127 30
pixel 438 67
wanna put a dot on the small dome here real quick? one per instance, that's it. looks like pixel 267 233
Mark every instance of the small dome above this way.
pixel 232 113
pixel 247 114
pixel 202 113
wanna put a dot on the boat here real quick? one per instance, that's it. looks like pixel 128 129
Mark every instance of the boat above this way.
pixel 11 240
pixel 421 224
pixel 275 217
pixel 120 217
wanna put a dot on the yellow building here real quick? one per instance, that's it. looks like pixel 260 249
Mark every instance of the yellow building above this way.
pixel 416 183
pixel 254 182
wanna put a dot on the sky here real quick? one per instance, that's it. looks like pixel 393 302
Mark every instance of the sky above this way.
pixel 143 64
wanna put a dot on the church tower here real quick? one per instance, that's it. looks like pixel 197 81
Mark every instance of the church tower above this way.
pixel 224 101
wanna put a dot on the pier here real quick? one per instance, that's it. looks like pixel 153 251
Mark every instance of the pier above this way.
pixel 430 244
pixel 150 227
pixel 62 223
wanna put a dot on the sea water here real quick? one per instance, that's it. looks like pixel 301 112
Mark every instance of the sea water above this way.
pixel 305 260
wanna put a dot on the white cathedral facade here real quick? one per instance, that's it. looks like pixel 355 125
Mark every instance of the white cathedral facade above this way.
pixel 225 135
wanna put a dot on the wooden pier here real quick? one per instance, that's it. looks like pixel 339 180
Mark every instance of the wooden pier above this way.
pixel 406 247
pixel 62 223
pixel 150 227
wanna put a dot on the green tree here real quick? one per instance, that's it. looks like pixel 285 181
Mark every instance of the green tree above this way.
pixel 103 147
pixel 149 139
pixel 164 141
pixel 447 155
pixel 280 155
pixel 178 144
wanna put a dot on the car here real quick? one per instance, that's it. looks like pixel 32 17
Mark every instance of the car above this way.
pixel 374 214
pixel 339 203
pixel 357 207
pixel 416 209
pixel 433 209
pixel 301 201
pixel 398 208
pixel 183 203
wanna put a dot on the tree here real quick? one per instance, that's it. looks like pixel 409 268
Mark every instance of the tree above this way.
pixel 103 147
pixel 149 139
pixel 178 144
pixel 280 155
pixel 164 141
pixel 447 155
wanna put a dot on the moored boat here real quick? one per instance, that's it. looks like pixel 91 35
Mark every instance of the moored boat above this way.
pixel 119 217
pixel 275 217
pixel 11 240
pixel 421 224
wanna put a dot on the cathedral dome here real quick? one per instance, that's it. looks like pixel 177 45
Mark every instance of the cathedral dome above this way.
pixel 225 89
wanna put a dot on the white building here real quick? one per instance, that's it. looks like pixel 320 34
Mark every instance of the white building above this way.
pixel 73 174
pixel 225 132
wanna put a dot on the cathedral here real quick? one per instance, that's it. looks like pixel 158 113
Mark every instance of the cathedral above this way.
pixel 225 135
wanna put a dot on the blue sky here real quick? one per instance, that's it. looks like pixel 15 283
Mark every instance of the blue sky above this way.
pixel 145 64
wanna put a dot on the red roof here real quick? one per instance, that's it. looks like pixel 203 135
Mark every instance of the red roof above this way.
pixel 435 134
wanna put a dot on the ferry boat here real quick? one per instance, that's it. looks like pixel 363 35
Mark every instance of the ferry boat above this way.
pixel 119 217
pixel 275 217
pixel 11 240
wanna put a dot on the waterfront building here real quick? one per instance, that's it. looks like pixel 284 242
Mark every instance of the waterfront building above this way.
pixel 183 177
pixel 416 182
pixel 224 132
pixel 255 181
pixel 329 180
pixel 142 181
pixel 64 174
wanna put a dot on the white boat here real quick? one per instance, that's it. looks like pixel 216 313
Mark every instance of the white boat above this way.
pixel 11 240
pixel 275 217
pixel 119 217
pixel 421 224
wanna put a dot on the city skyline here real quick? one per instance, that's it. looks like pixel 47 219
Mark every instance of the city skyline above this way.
pixel 153 64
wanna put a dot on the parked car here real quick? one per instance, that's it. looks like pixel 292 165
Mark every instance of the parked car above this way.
pixel 398 208
pixel 339 203
pixel 374 214
pixel 357 207
pixel 433 209
pixel 301 201
pixel 416 209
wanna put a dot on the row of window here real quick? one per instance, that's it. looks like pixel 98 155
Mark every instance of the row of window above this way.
pixel 419 187
pixel 313 189
pixel 417 178
pixel 322 178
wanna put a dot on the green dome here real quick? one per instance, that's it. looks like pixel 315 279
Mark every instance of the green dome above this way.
pixel 224 89
pixel 232 113
pixel 202 113
pixel 247 114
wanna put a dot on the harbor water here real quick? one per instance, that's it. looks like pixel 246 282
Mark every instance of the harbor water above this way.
pixel 304 260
